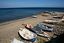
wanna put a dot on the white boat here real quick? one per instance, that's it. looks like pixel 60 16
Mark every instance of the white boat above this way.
pixel 34 16
pixel 26 34
pixel 56 16
pixel 50 21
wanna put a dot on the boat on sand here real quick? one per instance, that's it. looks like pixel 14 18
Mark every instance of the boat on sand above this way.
pixel 27 35
pixel 43 27
pixel 51 21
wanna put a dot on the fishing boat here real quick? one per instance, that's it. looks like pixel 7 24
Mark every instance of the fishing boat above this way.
pixel 56 17
pixel 27 35
pixel 34 16
pixel 44 27
pixel 51 21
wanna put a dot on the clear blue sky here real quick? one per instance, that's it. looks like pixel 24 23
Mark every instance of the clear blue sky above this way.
pixel 31 3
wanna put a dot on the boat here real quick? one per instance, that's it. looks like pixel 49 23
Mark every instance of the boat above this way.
pixel 51 21
pixel 58 17
pixel 34 16
pixel 43 27
pixel 27 35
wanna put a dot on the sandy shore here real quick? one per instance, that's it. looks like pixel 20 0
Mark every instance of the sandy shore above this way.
pixel 9 30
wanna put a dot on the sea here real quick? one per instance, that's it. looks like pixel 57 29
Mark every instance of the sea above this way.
pixel 8 14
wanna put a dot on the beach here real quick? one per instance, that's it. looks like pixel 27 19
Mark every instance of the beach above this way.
pixel 9 30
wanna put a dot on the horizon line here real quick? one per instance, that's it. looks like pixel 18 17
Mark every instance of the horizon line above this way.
pixel 35 7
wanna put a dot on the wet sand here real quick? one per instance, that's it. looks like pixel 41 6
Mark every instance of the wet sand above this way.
pixel 9 30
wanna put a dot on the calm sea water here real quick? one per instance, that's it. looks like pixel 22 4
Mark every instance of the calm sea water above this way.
pixel 7 14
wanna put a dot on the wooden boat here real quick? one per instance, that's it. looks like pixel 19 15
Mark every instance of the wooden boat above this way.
pixel 27 35
pixel 58 17
pixel 44 27
pixel 50 21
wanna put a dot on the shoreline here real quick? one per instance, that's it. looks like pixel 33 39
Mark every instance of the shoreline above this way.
pixel 21 19
pixel 11 21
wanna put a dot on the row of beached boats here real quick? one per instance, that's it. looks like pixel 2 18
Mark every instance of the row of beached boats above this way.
pixel 56 17
pixel 30 34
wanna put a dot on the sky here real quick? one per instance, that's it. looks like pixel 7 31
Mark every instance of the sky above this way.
pixel 31 3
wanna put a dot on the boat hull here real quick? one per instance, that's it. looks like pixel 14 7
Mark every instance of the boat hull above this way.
pixel 27 36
